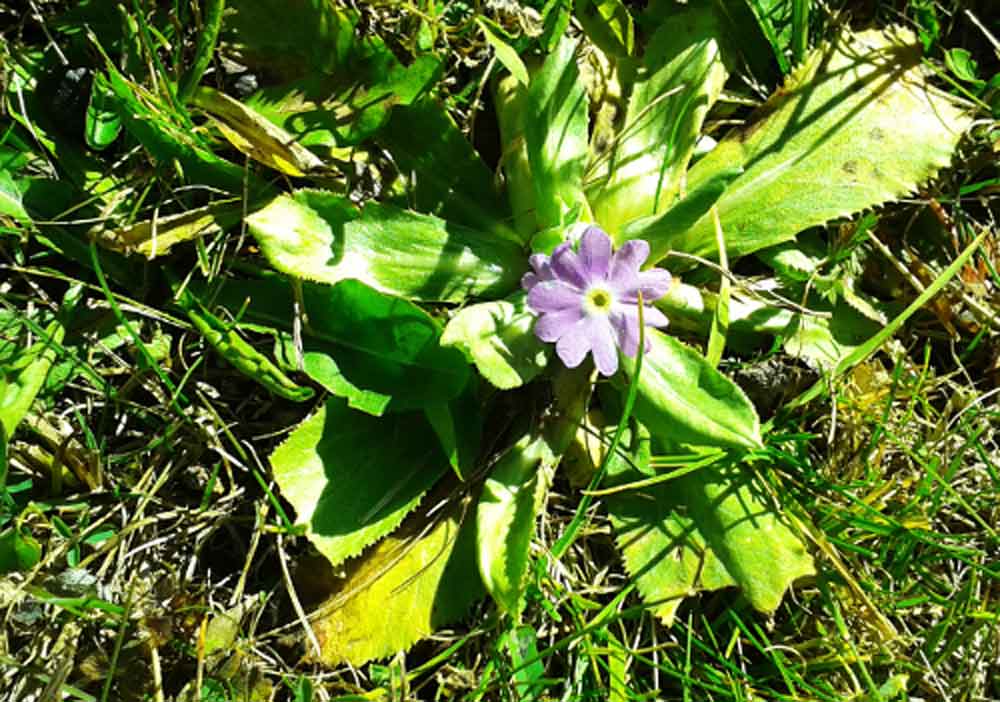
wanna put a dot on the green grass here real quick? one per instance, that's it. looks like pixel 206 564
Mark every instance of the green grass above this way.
pixel 169 562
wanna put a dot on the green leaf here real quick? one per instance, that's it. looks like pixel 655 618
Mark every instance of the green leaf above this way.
pixel 164 135
pixel 855 126
pixel 608 24
pixel 681 398
pixel 528 670
pixel 352 478
pixel 511 101
pixel 449 179
pixel 10 198
pixel 505 53
pixel 292 38
pixel 459 427
pixel 660 230
pixel 103 123
pixel 498 338
pixel 963 66
pixel 555 18
pixel 20 389
pixel 706 530
pixel 641 175
pixel 18 552
pixel 381 353
pixel 555 133
pixel 319 236
pixel 413 582
pixel 505 517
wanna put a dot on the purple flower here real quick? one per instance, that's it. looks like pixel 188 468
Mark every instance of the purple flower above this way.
pixel 589 300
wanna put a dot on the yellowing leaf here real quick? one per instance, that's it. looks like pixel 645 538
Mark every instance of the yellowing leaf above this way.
pixel 411 583
pixel 155 237
pixel 256 136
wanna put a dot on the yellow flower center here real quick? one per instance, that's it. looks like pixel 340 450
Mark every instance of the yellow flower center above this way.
pixel 597 301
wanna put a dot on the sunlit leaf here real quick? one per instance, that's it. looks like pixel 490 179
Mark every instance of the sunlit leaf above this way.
pixel 413 582
pixel 708 529
pixel 255 136
pixel 683 399
pixel 380 353
pixel 498 337
pixel 855 126
pixel 506 514
pixel 555 133
pixel 352 478
pixel 641 175
pixel 608 23
pixel 319 236
pixel 103 123
pixel 505 53
pixel 10 198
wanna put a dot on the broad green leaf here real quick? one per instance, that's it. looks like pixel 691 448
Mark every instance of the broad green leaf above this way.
pixel 448 178
pixel 828 340
pixel 497 336
pixel 660 230
pixel 335 86
pixel 103 123
pixel 608 24
pixel 255 136
pixel 556 138
pixel 352 478
pixel 10 198
pixel 505 517
pixel 505 53
pixel 706 530
pixel 413 582
pixel 528 670
pixel 511 100
pixel 682 399
pixel 319 236
pixel 381 353
pixel 641 175
pixel 292 38
pixel 855 126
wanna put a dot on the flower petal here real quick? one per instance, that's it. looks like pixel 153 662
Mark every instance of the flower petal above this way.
pixel 568 267
pixel 602 343
pixel 554 295
pixel 625 320
pixel 626 262
pixel 553 325
pixel 574 344
pixel 654 284
pixel 595 252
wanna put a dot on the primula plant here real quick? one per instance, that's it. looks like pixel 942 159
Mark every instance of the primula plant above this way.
pixel 469 329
